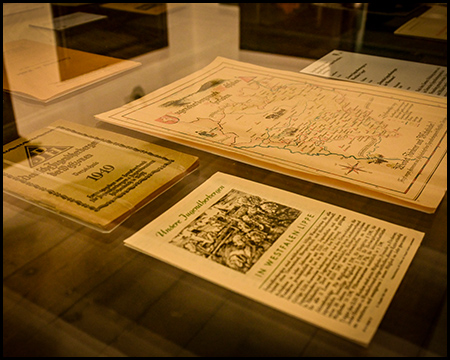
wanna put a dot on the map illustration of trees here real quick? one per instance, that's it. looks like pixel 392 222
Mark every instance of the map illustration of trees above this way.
pixel 385 140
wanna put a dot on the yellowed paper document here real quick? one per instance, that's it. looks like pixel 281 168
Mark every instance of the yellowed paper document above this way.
pixel 46 72
pixel 334 268
pixel 383 143
pixel 432 24
pixel 89 175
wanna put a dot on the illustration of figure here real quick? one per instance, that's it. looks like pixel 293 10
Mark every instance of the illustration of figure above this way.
pixel 238 254
pixel 237 229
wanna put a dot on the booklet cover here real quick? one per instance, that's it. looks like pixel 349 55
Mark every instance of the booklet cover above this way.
pixel 93 176
pixel 323 264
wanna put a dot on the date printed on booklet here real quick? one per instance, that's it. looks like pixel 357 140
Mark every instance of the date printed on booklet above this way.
pixel 92 176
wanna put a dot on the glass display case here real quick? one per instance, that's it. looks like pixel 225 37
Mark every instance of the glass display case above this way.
pixel 69 290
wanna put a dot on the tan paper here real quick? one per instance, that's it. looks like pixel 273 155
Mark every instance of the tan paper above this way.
pixel 68 21
pixel 383 143
pixel 334 268
pixel 93 176
pixel 45 72
pixel 432 24
pixel 141 8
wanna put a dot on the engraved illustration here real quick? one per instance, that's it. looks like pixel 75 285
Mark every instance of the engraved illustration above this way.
pixel 237 229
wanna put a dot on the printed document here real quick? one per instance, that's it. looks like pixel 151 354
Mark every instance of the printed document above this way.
pixel 432 24
pixel 68 21
pixel 375 141
pixel 89 175
pixel 46 72
pixel 376 70
pixel 326 265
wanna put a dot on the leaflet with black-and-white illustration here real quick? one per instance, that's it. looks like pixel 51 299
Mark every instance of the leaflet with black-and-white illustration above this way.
pixel 323 264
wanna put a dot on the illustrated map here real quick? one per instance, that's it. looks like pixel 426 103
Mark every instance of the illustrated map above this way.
pixel 385 140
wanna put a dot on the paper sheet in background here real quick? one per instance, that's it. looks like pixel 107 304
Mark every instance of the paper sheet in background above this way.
pixel 334 268
pixel 432 24
pixel 46 72
pixel 68 21
pixel 375 70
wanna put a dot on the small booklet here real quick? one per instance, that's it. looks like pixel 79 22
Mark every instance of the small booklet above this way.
pixel 332 267
pixel 89 175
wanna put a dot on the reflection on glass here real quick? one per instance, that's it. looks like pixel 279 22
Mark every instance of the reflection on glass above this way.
pixel 312 30
pixel 121 30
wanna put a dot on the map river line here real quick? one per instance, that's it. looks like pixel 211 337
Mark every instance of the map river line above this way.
pixel 388 140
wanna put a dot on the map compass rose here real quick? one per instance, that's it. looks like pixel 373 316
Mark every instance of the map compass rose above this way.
pixel 353 168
